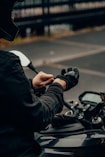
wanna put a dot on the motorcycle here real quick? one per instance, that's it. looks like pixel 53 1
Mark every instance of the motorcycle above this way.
pixel 80 131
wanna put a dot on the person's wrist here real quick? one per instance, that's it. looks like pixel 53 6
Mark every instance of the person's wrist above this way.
pixel 61 82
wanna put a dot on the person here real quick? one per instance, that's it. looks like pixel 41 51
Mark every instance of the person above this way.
pixel 22 112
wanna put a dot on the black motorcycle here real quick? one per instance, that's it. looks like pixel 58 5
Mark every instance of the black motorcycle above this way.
pixel 80 131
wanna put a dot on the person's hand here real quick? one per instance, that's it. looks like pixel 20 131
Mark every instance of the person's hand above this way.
pixel 42 80
pixel 69 76
pixel 61 82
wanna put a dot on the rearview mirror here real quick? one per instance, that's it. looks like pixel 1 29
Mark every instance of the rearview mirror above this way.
pixel 24 60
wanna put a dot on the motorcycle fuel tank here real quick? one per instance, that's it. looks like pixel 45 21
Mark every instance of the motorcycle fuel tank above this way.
pixel 72 144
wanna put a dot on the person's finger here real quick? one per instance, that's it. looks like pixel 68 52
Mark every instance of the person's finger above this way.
pixel 63 71
pixel 76 73
pixel 45 76
pixel 69 69
pixel 48 81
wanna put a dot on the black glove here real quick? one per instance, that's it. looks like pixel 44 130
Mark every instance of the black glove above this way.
pixel 70 76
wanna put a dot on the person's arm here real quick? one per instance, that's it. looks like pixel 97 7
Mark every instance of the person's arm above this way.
pixel 30 111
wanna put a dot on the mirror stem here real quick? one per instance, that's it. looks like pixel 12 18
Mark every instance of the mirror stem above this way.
pixel 32 68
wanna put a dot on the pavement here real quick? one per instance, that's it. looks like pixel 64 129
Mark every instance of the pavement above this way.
pixel 85 50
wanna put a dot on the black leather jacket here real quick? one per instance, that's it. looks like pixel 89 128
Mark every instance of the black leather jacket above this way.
pixel 21 112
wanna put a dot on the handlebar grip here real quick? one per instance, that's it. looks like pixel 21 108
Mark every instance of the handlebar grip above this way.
pixel 93 111
pixel 67 104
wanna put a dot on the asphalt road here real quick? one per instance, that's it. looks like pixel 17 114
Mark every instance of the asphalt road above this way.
pixel 83 50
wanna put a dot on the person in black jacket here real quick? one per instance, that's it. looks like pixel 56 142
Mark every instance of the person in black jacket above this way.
pixel 22 112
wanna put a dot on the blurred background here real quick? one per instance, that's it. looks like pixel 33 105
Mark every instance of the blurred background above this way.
pixel 42 16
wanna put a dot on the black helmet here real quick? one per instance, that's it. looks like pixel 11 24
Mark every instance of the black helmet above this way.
pixel 8 29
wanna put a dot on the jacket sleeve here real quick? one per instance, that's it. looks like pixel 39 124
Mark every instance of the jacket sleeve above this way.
pixel 28 110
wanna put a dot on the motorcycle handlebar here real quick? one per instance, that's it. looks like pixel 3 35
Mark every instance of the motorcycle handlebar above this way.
pixel 94 110
pixel 67 104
